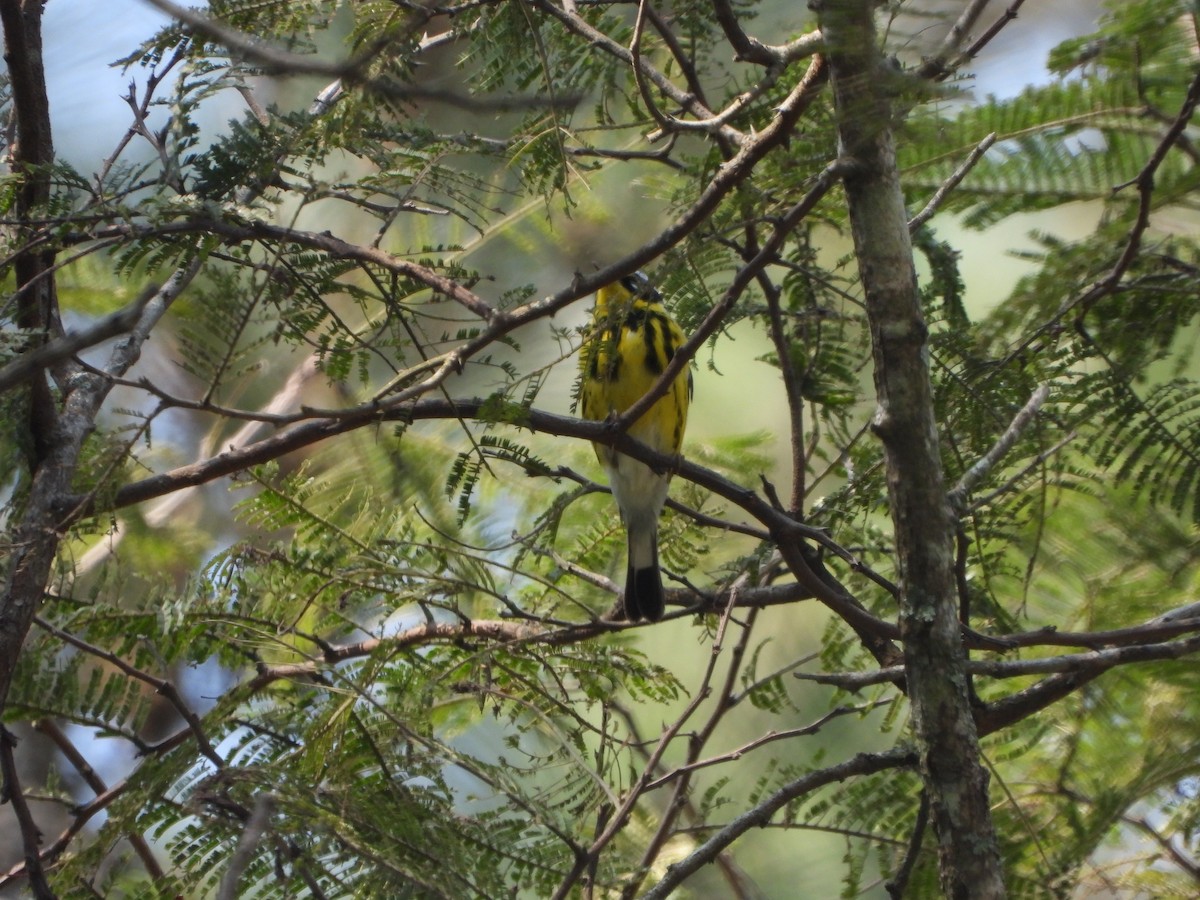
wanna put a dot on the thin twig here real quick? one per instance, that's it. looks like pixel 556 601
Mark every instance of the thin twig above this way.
pixel 635 56
pixel 1181 859
pixel 31 835
pixel 862 764
pixel 1091 661
pixel 636 790
pixel 1009 15
pixel 979 471
pixel 700 738
pixel 65 346
pixel 762 740
pixel 897 885
pixel 948 59
pixel 1144 181
pixel 83 814
pixel 160 685
pixel 79 762
pixel 955 179
pixel 576 24
pixel 963 24
pixel 252 834
pixel 792 390
pixel 1033 465
pixel 352 71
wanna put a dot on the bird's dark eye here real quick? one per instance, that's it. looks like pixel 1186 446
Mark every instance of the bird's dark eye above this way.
pixel 635 283
pixel 639 285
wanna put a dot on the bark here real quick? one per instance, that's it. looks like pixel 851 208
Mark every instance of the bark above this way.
pixel 62 415
pixel 34 539
pixel 935 660
pixel 31 153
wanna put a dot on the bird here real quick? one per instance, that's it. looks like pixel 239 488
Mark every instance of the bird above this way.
pixel 631 341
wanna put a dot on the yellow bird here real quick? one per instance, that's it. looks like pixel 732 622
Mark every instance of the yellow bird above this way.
pixel 633 338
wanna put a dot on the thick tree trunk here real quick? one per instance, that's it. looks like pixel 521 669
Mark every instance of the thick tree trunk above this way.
pixel 60 417
pixel 51 460
pixel 954 777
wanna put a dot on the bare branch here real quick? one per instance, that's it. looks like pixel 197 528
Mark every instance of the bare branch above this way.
pixel 68 749
pixel 282 62
pixel 1145 185
pixel 948 59
pixel 948 186
pixel 635 56
pixel 65 346
pixel 252 834
pixel 760 815
pixel 897 885
pixel 752 50
pixel 1009 15
pixel 1095 660
pixel 1091 662
pixel 1032 466
pixel 935 66
pixel 748 49
pixel 31 835
pixel 979 471
pixel 156 77
pixel 769 737
pixel 160 685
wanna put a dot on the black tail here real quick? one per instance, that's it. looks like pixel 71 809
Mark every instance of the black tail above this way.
pixel 643 594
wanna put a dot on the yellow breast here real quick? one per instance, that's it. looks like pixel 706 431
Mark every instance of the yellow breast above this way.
pixel 633 340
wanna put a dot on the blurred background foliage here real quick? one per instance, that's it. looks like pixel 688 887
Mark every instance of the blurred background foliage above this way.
pixel 429 767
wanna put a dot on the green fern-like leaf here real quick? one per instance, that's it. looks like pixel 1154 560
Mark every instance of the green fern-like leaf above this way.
pixel 1152 441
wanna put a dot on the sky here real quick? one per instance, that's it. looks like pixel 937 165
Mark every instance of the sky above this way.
pixel 81 38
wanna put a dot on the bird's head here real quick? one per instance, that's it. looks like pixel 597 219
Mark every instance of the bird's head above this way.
pixel 622 292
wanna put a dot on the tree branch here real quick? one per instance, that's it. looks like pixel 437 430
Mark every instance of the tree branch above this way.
pixel 83 815
pixel 79 762
pixel 1090 662
pixel 353 71
pixel 948 58
pixel 31 835
pixel 65 346
pixel 620 817
pixel 760 815
pixel 786 531
pixel 1144 181
pixel 948 186
pixel 160 685
pixel 762 740
pixel 971 478
pixel 934 659
pixel 252 833
pixel 898 884
pixel 752 50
